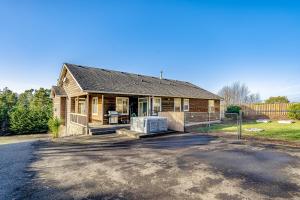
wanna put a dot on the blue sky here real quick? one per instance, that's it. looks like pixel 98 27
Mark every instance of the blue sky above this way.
pixel 210 43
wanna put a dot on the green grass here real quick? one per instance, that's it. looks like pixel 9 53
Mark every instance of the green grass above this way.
pixel 272 130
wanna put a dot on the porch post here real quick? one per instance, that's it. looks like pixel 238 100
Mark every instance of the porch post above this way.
pixel 76 104
pixel 87 112
pixel 102 109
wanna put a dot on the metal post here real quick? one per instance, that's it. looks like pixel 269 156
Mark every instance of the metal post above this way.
pixel 240 124
pixel 237 125
pixel 208 120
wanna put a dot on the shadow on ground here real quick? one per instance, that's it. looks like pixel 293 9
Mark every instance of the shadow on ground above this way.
pixel 189 166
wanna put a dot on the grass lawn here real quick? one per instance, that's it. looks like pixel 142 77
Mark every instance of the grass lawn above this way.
pixel 271 130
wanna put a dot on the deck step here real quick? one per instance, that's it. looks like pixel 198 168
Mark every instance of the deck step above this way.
pixel 138 135
pixel 102 131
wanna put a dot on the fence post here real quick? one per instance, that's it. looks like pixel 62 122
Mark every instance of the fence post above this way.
pixel 240 124
pixel 208 121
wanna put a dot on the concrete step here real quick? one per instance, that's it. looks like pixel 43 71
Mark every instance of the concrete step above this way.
pixel 138 135
pixel 100 131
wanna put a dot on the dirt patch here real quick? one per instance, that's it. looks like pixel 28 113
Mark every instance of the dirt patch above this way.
pixel 262 140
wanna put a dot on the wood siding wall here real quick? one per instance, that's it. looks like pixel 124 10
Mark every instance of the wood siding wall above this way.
pixel 56 107
pixel 63 108
pixel 70 86
pixel 198 105
pixel 59 108
pixel 110 105
pixel 217 105
pixel 175 120
pixel 167 104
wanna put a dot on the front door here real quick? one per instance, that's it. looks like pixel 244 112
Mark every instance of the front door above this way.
pixel 143 107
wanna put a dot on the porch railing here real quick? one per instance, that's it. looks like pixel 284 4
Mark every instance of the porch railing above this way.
pixel 78 119
pixel 179 120
pixel 196 117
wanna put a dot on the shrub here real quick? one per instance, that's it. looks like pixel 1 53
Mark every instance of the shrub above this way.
pixel 294 111
pixel 24 119
pixel 233 109
pixel 54 124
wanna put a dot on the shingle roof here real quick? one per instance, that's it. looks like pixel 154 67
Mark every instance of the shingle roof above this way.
pixel 109 81
pixel 59 91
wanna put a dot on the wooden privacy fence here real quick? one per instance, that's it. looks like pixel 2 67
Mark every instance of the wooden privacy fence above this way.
pixel 271 111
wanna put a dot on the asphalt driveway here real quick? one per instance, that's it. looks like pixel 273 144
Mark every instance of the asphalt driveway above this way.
pixel 14 158
pixel 189 166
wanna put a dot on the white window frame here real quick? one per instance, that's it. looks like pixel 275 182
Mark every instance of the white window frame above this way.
pixel 83 108
pixel 153 101
pixel 184 104
pixel 175 104
pixel 96 100
pixel 123 100
pixel 211 106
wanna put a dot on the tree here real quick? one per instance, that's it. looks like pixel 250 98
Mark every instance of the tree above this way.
pixel 294 111
pixel 278 99
pixel 8 100
pixel 253 98
pixel 25 98
pixel 237 94
pixel 32 112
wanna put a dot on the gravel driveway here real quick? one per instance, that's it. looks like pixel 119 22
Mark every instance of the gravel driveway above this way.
pixel 189 166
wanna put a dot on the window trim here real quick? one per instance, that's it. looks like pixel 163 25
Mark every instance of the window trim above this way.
pixel 180 105
pixel 83 102
pixel 97 99
pixel 188 105
pixel 127 99
pixel 160 105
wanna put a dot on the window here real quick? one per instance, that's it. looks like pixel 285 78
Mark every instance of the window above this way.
pixel 143 107
pixel 95 105
pixel 156 105
pixel 211 106
pixel 81 106
pixel 186 105
pixel 177 105
pixel 122 105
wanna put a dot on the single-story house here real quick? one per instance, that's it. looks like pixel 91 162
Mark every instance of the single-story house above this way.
pixel 85 96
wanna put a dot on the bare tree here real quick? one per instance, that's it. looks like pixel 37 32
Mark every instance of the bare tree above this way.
pixel 237 94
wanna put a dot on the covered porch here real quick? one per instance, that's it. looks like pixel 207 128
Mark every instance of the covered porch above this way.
pixel 93 110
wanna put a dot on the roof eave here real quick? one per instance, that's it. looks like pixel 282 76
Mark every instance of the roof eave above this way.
pixel 127 93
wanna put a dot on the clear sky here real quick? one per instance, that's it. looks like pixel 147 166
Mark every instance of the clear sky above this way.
pixel 210 43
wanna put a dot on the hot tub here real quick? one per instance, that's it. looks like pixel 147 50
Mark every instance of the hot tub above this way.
pixel 151 124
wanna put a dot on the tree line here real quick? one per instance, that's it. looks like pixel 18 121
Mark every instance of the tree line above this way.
pixel 28 112
pixel 238 94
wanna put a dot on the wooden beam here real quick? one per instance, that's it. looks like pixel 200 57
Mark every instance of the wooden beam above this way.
pixel 87 105
pixel 102 109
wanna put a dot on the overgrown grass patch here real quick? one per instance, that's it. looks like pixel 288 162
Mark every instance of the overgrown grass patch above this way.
pixel 271 130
